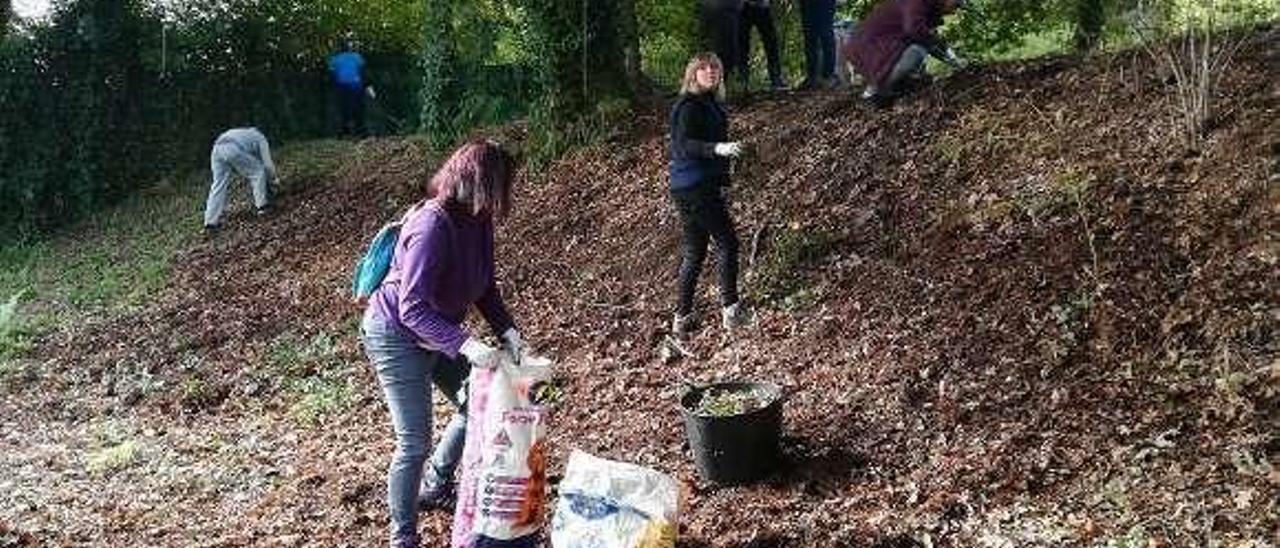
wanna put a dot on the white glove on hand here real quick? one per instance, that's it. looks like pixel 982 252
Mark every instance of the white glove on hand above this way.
pixel 368 90
pixel 479 354
pixel 513 344
pixel 728 150
pixel 955 61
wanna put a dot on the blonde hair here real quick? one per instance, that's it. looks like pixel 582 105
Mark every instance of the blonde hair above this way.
pixel 690 84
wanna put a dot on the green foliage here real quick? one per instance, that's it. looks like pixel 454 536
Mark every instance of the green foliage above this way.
pixel 319 397
pixel 108 95
pixel 439 91
pixel 14 337
pixel 312 372
pixel 580 70
pixel 291 357
pixel 473 67
pixel 1090 17
pixel 668 38
pixel 780 275
pixel 113 458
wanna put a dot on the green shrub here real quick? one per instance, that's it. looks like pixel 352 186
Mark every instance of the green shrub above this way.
pixel 14 337
pixel 781 272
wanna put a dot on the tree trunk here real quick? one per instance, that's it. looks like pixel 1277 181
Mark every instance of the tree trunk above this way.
pixel 1090 16
pixel 438 95
pixel 629 36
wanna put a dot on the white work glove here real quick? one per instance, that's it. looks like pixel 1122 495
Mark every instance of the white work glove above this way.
pixel 727 150
pixel 513 344
pixel 480 354
pixel 955 61
pixel 368 90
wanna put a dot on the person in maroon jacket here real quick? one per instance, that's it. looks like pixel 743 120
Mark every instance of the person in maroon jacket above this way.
pixel 890 47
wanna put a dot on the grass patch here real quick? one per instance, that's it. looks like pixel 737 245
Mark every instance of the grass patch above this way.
pixel 311 372
pixel 312 160
pixel 321 396
pixel 117 259
pixel 1054 41
pixel 291 357
pixel 779 275
pixel 15 338
pixel 1038 198
pixel 115 457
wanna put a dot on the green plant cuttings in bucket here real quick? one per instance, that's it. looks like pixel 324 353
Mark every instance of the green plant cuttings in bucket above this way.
pixel 727 402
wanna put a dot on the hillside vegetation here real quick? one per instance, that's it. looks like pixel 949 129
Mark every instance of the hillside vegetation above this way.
pixel 1012 311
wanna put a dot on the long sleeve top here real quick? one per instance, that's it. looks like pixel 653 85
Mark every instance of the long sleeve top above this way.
pixel 443 264
pixel 252 142
pixel 347 68
pixel 889 29
pixel 698 122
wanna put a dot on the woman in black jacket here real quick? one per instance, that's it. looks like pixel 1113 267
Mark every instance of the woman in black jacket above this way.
pixel 700 152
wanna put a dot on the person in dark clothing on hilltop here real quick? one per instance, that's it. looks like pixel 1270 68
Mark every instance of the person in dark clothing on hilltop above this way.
pixel 758 14
pixel 349 79
pixel 890 47
pixel 817 18
pixel 721 22
pixel 700 153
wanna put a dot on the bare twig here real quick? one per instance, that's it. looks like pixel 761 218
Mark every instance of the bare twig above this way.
pixel 674 344
pixel 755 246
pixel 1197 62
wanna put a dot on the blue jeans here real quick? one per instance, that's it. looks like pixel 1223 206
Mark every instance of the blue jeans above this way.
pixel 406 372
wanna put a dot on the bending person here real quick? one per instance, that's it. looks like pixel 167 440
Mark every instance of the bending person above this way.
pixel 890 47
pixel 243 150
pixel 412 328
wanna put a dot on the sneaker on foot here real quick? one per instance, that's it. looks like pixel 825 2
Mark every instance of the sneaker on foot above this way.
pixel 405 541
pixel 438 496
pixel 734 316
pixel 683 324
pixel 877 101
pixel 210 230
pixel 266 210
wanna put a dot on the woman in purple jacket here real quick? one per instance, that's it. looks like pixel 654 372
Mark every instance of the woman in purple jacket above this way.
pixel 890 46
pixel 412 329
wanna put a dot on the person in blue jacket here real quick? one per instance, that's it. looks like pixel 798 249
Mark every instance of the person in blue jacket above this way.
pixel 700 153
pixel 349 78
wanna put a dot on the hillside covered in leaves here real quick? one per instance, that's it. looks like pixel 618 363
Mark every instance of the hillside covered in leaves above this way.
pixel 1012 311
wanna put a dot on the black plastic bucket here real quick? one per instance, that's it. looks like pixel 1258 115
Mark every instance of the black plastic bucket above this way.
pixel 739 448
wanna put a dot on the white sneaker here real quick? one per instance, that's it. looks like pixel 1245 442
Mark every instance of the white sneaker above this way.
pixel 683 324
pixel 735 316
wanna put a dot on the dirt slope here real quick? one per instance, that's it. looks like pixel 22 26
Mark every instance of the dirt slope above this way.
pixel 1009 312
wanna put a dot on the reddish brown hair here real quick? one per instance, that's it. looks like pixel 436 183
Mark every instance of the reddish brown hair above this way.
pixel 477 177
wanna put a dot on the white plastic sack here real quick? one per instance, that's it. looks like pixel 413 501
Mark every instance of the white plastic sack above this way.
pixel 503 485
pixel 610 504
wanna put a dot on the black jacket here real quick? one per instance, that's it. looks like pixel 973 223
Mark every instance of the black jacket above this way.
pixel 698 122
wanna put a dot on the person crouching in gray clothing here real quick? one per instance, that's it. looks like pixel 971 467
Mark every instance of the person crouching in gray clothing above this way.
pixel 244 150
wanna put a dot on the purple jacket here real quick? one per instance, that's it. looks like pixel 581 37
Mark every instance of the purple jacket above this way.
pixel 443 264
pixel 891 27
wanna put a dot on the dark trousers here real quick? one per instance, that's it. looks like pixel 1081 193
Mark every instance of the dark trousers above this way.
pixel 705 216
pixel 817 17
pixel 720 21
pixel 351 109
pixel 762 19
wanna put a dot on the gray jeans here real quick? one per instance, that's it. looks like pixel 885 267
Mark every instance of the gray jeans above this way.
pixel 910 63
pixel 406 372
pixel 225 158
